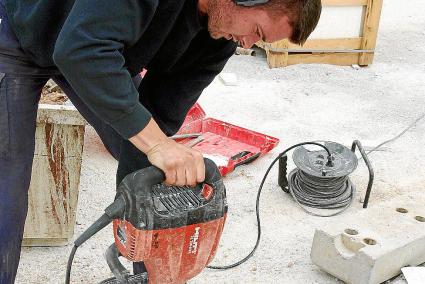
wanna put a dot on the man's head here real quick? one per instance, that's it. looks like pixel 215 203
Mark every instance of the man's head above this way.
pixel 270 22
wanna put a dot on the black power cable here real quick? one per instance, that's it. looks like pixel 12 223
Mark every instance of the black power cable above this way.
pixel 114 210
pixel 257 205
pixel 69 265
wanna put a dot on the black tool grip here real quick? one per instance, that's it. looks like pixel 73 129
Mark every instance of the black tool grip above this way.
pixel 244 157
pixel 212 174
pixel 150 176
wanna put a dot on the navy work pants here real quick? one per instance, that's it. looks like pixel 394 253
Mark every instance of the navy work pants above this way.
pixel 21 82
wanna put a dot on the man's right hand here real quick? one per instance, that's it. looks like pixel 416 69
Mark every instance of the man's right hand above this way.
pixel 182 165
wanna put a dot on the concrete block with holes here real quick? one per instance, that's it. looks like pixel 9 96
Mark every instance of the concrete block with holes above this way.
pixel 373 245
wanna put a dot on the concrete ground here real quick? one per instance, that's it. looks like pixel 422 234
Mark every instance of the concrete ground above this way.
pixel 297 103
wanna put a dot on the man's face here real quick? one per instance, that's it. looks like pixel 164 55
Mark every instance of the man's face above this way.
pixel 245 25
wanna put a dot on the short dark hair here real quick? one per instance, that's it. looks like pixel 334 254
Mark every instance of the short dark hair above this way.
pixel 303 16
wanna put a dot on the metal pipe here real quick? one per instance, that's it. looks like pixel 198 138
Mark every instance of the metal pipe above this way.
pixel 186 135
pixel 194 142
pixel 293 50
pixel 369 166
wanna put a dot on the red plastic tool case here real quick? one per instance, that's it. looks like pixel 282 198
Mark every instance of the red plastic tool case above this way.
pixel 226 144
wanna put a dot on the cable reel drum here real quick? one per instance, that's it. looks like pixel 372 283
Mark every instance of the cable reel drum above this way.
pixel 321 181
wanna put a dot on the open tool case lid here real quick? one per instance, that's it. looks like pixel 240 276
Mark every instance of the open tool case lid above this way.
pixel 226 144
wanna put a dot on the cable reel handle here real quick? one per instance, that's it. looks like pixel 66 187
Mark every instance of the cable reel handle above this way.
pixel 369 166
pixel 282 179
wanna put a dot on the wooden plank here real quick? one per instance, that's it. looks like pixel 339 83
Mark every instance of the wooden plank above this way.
pixel 344 2
pixel 278 59
pixel 338 43
pixel 54 185
pixel 262 44
pixel 370 30
pixel 324 58
pixel 282 59
pixel 44 242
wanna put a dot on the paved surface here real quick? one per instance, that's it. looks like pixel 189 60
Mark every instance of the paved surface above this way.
pixel 298 103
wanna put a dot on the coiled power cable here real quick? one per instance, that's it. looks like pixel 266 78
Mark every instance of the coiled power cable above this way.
pixel 321 193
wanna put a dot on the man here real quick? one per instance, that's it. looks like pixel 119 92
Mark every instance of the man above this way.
pixel 94 50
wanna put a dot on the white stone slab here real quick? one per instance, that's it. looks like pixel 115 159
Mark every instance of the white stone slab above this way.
pixel 373 245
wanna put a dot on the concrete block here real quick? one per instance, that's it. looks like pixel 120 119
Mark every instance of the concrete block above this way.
pixel 372 246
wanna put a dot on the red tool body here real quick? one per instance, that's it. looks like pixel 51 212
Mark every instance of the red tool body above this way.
pixel 182 253
pixel 174 230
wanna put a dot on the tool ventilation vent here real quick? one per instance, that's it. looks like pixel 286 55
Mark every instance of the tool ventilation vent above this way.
pixel 176 199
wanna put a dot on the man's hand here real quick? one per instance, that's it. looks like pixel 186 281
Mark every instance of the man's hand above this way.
pixel 182 165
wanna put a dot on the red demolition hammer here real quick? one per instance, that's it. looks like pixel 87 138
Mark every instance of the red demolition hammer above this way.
pixel 174 230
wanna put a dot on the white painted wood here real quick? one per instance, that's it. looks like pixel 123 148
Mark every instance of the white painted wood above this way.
pixel 339 22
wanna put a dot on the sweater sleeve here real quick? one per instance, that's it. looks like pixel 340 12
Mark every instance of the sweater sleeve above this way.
pixel 170 95
pixel 88 52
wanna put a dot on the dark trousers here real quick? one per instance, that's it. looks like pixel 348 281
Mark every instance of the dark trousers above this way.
pixel 21 82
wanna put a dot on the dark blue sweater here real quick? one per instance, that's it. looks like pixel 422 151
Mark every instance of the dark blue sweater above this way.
pixel 98 45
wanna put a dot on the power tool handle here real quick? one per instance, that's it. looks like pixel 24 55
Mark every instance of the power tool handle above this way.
pixel 150 176
pixel 212 174
pixel 154 175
